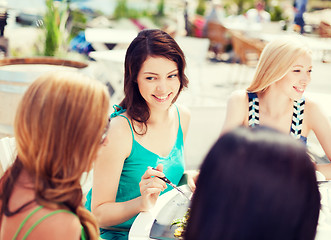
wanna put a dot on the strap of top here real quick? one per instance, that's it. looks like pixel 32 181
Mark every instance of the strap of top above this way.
pixel 83 234
pixel 177 113
pixel 253 110
pixel 25 220
pixel 297 118
pixel 118 110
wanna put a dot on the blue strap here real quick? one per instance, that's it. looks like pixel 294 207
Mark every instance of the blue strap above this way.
pixel 252 95
pixel 118 110
pixel 177 113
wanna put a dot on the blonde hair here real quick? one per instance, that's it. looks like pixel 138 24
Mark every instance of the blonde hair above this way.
pixel 58 127
pixel 276 60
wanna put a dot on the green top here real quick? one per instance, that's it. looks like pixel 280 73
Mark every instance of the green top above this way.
pixel 134 167
pixel 83 234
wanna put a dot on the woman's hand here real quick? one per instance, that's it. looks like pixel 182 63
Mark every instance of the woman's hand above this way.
pixel 151 186
pixel 192 177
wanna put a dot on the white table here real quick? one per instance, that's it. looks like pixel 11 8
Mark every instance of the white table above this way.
pixel 110 35
pixel 99 37
pixel 142 225
pixel 324 222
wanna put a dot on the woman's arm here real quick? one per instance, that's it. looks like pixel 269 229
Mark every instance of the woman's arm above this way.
pixel 107 172
pixel 236 112
pixel 321 126
pixel 185 117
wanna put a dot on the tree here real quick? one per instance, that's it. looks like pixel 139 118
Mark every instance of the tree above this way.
pixel 54 22
pixel 201 8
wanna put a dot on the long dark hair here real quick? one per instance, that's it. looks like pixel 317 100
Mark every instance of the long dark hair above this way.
pixel 152 42
pixel 255 184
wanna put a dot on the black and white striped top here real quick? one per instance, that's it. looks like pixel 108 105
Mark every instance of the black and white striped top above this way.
pixel 297 118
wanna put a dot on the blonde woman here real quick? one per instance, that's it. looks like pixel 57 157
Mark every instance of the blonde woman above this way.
pixel 60 126
pixel 275 98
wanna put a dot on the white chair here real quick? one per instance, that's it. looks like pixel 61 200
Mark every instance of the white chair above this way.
pixel 7 153
pixel 112 63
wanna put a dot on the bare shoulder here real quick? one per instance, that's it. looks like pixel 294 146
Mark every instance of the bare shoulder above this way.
pixel 313 111
pixel 185 117
pixel 119 136
pixel 236 111
pixel 62 225
pixel 238 97
pixel 238 102
pixel 312 108
pixel 310 104
pixel 120 128
pixel 120 123
pixel 185 113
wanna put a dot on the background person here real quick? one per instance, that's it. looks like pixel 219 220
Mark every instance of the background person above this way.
pixel 55 145
pixel 299 9
pixel 147 129
pixel 275 97
pixel 258 14
pixel 255 184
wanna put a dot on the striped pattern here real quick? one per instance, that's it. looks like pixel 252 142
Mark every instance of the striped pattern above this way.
pixel 297 118
pixel 253 110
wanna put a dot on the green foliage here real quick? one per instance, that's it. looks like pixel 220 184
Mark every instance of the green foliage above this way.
pixel 276 13
pixel 160 8
pixel 52 30
pixel 56 35
pixel 79 21
pixel 201 8
pixel 121 9
pixel 241 5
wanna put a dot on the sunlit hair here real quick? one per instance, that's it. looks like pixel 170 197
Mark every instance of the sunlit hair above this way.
pixel 58 127
pixel 276 60
pixel 255 183
pixel 154 43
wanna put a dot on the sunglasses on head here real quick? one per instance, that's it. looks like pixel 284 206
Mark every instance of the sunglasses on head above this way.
pixel 105 132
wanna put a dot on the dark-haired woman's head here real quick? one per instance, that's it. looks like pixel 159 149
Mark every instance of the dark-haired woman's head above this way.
pixel 255 184
pixel 149 43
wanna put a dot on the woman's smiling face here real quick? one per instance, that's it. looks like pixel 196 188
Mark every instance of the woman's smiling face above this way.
pixel 294 83
pixel 158 82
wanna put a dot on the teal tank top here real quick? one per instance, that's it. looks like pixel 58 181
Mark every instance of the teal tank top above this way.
pixel 134 167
